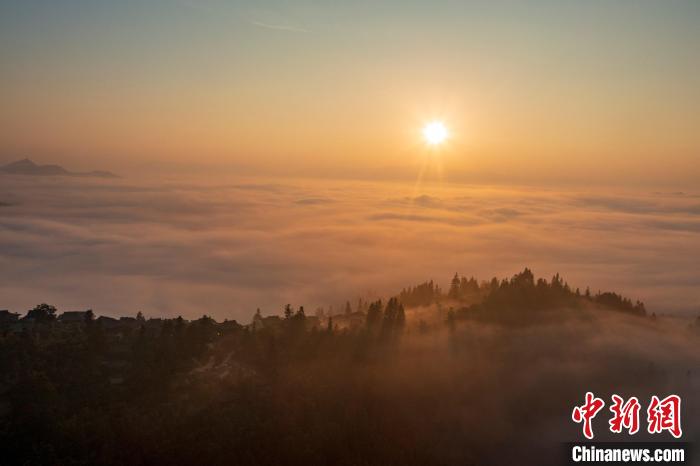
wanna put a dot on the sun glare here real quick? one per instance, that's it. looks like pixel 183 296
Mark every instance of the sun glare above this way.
pixel 435 133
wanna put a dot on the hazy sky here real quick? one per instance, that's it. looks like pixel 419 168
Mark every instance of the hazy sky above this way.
pixel 559 90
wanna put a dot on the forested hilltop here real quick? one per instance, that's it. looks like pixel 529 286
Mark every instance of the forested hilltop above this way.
pixel 426 377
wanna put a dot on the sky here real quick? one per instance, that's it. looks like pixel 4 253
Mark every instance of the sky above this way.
pixel 556 92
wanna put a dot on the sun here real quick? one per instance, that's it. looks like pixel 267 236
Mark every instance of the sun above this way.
pixel 435 133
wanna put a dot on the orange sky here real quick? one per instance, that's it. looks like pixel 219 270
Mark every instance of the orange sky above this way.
pixel 556 92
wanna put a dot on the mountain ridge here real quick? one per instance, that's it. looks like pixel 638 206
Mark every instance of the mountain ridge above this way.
pixel 28 167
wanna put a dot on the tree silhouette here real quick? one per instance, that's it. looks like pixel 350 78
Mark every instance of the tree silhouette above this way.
pixel 374 315
pixel 454 287
pixel 42 313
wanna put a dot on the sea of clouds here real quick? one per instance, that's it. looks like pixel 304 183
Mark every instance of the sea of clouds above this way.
pixel 225 247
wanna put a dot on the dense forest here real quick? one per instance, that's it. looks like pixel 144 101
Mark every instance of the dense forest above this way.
pixel 426 377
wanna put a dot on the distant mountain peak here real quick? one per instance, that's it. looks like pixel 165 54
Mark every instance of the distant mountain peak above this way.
pixel 26 166
pixel 25 162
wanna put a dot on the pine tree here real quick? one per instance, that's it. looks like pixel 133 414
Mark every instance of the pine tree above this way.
pixel 454 287
pixel 374 314
pixel 401 318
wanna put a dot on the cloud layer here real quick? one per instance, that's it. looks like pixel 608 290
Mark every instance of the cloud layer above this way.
pixel 225 247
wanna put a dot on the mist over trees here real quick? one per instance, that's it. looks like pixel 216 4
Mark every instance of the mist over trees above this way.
pixel 519 296
pixel 425 377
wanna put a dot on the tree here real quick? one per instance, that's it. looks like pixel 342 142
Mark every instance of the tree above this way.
pixel 468 287
pixel 257 319
pixel 348 309
pixel 205 320
pixel 389 321
pixel 394 319
pixel 524 279
pixel 374 315
pixel 42 313
pixel 557 281
pixel 288 312
pixel 454 287
pixel 420 295
pixel 401 318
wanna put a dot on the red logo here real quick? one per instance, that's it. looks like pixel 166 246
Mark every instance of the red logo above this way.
pixel 662 415
pixel 624 415
pixel 665 415
pixel 586 412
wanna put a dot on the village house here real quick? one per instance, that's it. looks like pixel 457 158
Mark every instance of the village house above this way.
pixel 108 323
pixel 7 317
pixel 74 317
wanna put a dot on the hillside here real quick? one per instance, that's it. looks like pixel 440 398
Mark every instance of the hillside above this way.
pixel 371 385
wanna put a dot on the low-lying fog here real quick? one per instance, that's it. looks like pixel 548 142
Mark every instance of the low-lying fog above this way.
pixel 224 248
pixel 480 394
